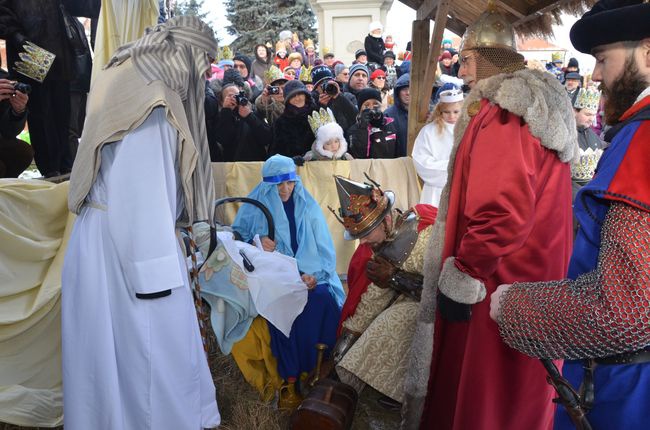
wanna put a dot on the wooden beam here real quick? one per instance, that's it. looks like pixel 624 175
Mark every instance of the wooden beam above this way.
pixel 539 8
pixel 432 58
pixel 419 46
pixel 426 9
pixel 515 8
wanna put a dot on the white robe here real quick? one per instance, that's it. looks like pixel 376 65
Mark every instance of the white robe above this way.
pixel 130 363
pixel 431 155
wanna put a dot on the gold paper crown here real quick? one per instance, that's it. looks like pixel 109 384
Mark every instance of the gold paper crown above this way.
pixel 281 46
pixel 305 74
pixel 587 99
pixel 225 53
pixel 36 62
pixel 557 56
pixel 583 169
pixel 307 43
pixel 273 74
pixel 491 30
pixel 319 118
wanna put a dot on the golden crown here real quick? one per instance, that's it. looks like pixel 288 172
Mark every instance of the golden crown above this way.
pixel 36 62
pixel 557 56
pixel 319 118
pixel 583 169
pixel 305 74
pixel 587 99
pixel 225 53
pixel 273 74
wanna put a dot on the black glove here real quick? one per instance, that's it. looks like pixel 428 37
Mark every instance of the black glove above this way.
pixel 299 160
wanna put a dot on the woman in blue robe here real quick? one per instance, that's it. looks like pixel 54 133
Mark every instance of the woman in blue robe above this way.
pixel 300 232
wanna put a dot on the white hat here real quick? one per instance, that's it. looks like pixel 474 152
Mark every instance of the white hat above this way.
pixel 451 96
pixel 375 25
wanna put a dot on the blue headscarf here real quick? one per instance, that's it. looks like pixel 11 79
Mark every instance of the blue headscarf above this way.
pixel 316 255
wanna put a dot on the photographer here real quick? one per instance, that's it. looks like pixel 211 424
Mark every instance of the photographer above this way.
pixel 243 135
pixel 270 104
pixel 15 155
pixel 373 135
pixel 327 94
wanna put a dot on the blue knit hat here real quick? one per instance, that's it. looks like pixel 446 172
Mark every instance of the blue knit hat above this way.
pixel 356 67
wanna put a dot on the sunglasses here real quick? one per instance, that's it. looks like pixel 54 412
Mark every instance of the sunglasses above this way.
pixel 383 78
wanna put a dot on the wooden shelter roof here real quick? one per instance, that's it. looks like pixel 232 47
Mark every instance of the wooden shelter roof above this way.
pixel 529 17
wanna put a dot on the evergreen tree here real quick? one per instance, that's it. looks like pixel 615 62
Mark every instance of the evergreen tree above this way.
pixel 189 7
pixel 261 21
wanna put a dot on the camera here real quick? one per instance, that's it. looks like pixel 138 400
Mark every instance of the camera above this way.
pixel 23 88
pixel 273 90
pixel 241 98
pixel 330 88
pixel 374 117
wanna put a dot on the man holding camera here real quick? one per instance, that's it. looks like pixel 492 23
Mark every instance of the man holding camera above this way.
pixel 243 136
pixel 373 135
pixel 270 104
pixel 328 94
pixel 15 155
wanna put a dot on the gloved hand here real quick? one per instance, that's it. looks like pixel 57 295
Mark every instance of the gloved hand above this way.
pixel 380 271
pixel 299 160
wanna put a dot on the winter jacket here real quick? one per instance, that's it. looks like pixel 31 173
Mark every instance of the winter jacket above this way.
pixel 268 110
pixel 401 114
pixel 242 139
pixel 350 94
pixel 374 47
pixel 292 134
pixel 40 22
pixel 211 106
pixel 371 142
pixel 282 63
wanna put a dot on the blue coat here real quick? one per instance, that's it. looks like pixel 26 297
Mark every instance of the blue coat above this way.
pixel 400 114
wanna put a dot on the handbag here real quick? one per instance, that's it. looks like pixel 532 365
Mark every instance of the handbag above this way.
pixel 82 63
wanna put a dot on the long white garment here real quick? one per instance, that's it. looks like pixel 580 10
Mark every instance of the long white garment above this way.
pixel 130 363
pixel 431 155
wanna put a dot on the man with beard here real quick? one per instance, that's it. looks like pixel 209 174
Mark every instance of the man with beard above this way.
pixel 504 214
pixel 601 312
pixel 384 285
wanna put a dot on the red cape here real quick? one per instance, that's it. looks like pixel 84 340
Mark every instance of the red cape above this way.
pixel 357 280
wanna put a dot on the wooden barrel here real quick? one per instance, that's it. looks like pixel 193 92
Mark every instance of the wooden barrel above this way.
pixel 330 405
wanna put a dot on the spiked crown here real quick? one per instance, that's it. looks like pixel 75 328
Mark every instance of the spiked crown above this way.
pixel 35 62
pixel 587 99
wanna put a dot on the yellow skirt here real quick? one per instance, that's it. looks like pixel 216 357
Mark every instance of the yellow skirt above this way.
pixel 255 359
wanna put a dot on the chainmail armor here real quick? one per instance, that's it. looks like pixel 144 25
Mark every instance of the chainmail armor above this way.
pixel 494 61
pixel 602 313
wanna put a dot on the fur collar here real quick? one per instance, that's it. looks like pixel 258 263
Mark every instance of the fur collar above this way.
pixel 529 94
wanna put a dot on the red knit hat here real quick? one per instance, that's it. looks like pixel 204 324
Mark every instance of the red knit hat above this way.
pixel 376 74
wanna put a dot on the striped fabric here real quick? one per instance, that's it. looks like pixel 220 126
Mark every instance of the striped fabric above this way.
pixel 176 52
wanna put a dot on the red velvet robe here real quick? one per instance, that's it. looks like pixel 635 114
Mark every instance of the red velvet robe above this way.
pixel 357 280
pixel 509 219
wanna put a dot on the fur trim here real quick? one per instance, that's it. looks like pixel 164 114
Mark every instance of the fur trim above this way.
pixel 541 101
pixel 459 286
pixel 326 132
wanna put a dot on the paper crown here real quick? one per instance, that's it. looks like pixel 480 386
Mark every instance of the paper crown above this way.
pixel 305 74
pixel 225 53
pixel 36 62
pixel 308 43
pixel 319 118
pixel 585 167
pixel 451 96
pixel 556 56
pixel 273 74
pixel 587 99
pixel 280 46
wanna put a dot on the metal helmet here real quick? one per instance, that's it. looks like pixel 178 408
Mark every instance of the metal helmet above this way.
pixel 491 30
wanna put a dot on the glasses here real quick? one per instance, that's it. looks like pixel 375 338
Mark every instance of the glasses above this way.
pixel 383 78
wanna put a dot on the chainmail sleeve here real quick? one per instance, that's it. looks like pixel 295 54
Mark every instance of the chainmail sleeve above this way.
pixel 602 313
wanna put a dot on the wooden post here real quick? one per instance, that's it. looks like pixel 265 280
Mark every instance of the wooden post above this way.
pixel 423 69
pixel 419 46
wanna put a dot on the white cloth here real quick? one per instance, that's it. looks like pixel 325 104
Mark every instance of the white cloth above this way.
pixel 279 301
pixel 431 155
pixel 130 363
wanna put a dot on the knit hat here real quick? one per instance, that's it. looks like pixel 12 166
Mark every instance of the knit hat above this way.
pixel 445 55
pixel 573 62
pixel 293 88
pixel 367 94
pixel 320 73
pixel 376 74
pixel 226 63
pixel 339 68
pixel 359 53
pixel 446 41
pixel 246 60
pixel 356 67
pixel 329 55
pixel 389 54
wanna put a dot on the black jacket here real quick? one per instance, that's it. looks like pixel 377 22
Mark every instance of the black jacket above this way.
pixel 292 134
pixel 344 110
pixel 374 47
pixel 401 115
pixel 40 22
pixel 10 124
pixel 242 139
pixel 382 142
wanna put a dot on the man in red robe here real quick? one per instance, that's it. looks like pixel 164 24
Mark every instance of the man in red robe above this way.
pixel 505 214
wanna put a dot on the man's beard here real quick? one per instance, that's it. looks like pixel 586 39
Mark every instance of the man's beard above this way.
pixel 623 93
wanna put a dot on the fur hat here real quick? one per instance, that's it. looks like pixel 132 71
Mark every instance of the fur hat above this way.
pixel 375 25
pixel 295 56
pixel 326 128
pixel 293 88
pixel 611 21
